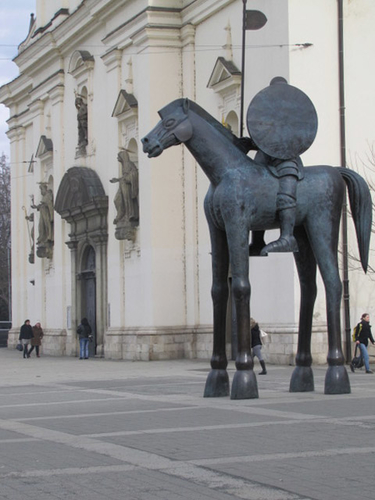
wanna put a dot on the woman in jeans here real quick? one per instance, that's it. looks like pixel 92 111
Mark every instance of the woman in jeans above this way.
pixel 84 334
pixel 363 338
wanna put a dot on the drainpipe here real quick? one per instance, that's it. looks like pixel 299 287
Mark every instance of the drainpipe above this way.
pixel 344 226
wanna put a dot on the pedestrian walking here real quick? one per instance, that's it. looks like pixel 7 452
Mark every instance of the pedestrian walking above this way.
pixel 363 335
pixel 26 334
pixel 256 345
pixel 36 341
pixel 84 335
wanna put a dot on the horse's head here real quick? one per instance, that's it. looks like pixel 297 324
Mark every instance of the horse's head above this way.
pixel 173 128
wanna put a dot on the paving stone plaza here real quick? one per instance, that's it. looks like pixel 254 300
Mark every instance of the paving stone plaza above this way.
pixel 100 429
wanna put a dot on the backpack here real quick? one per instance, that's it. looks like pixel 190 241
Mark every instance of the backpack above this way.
pixel 79 329
pixel 356 332
pixel 357 361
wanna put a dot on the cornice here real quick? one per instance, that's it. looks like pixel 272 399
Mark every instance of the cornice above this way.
pixel 188 35
pixel 56 18
pixel 16 133
pixel 36 106
pixel 56 94
pixel 69 34
pixel 15 119
pixel 16 90
pixel 151 17
pixel 43 88
pixel 112 59
pixel 157 36
pixel 197 12
pixel 43 50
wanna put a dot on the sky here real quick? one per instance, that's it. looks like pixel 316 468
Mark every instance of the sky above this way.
pixel 14 26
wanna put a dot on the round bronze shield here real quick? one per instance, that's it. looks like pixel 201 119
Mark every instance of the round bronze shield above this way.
pixel 282 120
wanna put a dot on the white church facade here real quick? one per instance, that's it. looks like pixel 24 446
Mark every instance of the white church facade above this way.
pixel 101 231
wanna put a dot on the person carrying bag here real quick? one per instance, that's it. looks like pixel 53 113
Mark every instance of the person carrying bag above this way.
pixel 362 336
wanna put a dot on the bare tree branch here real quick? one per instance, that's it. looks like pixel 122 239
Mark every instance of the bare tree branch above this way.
pixel 5 242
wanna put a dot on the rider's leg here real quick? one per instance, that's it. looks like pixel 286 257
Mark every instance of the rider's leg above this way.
pixel 286 206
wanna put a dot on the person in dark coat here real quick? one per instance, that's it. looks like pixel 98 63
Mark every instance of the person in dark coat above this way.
pixel 256 345
pixel 84 335
pixel 363 336
pixel 36 341
pixel 26 334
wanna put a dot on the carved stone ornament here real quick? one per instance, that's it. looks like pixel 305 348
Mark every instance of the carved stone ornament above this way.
pixel 78 187
pixel 82 202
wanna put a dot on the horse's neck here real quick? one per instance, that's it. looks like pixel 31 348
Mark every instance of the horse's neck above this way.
pixel 214 152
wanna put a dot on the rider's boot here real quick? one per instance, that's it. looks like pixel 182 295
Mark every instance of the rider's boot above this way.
pixel 286 206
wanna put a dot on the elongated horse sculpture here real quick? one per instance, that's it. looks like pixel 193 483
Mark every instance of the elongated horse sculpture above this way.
pixel 242 198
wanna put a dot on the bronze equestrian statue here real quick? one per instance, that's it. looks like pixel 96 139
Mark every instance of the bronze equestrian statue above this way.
pixel 242 197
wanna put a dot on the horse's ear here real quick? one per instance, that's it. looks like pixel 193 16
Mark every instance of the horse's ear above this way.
pixel 186 105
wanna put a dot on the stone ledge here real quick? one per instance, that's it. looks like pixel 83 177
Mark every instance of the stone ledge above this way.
pixel 152 344
pixel 183 342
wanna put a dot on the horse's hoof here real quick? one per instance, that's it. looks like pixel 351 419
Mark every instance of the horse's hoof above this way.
pixel 244 385
pixel 302 379
pixel 217 384
pixel 337 380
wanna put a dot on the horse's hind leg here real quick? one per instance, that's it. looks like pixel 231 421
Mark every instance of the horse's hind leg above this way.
pixel 302 379
pixel 217 383
pixel 325 250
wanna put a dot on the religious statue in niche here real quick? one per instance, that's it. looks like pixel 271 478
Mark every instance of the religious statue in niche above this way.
pixel 82 124
pixel 126 199
pixel 45 227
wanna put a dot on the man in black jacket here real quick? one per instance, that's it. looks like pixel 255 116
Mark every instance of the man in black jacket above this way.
pixel 26 334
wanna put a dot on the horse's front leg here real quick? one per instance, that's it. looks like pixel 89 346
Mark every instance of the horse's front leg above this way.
pixel 217 383
pixel 302 378
pixel 244 385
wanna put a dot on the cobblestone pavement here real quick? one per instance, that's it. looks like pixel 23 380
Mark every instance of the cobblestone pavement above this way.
pixel 98 429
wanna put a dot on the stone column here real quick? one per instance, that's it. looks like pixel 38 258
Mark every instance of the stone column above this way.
pixel 101 291
pixel 163 300
pixel 71 341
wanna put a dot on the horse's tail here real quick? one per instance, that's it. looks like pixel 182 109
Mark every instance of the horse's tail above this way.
pixel 361 208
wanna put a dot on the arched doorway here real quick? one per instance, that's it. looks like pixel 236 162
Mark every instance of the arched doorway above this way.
pixel 82 202
pixel 88 293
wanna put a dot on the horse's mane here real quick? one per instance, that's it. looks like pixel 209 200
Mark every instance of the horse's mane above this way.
pixel 244 143
pixel 211 120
